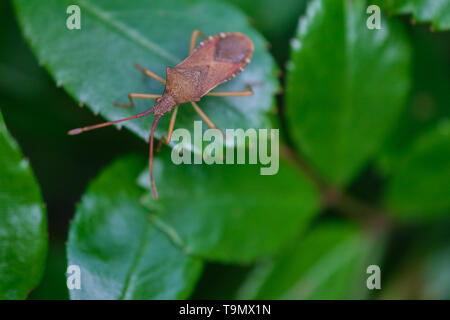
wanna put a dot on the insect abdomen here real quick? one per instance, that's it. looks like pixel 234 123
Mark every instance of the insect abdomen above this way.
pixel 234 48
pixel 220 58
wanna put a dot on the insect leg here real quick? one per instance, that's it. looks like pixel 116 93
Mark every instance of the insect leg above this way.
pixel 150 160
pixel 203 116
pixel 248 92
pixel 137 96
pixel 149 73
pixel 169 131
pixel 194 37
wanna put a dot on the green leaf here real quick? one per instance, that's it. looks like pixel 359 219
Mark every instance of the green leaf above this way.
pixel 435 11
pixel 230 213
pixel 437 277
pixel 23 222
pixel 53 285
pixel 330 262
pixel 345 87
pixel 120 252
pixel 277 23
pixel 419 188
pixel 418 264
pixel 272 19
pixel 95 64
pixel 427 104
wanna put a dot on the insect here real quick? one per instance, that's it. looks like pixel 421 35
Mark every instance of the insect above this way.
pixel 217 59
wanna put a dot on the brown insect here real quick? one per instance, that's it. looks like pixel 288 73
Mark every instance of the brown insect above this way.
pixel 215 60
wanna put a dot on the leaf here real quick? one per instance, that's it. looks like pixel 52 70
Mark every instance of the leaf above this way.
pixel 345 86
pixel 53 285
pixel 330 262
pixel 230 213
pixel 120 252
pixel 419 188
pixel 269 17
pixel 435 11
pixel 277 23
pixel 95 64
pixel 427 104
pixel 437 277
pixel 23 222
pixel 421 262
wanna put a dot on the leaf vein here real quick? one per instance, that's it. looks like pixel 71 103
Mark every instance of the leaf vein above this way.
pixel 129 33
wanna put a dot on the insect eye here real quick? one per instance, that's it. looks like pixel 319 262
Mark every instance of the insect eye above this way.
pixel 158 100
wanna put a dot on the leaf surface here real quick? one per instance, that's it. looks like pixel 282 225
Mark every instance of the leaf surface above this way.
pixel 346 86
pixel 23 222
pixel 329 262
pixel 419 188
pixel 120 252
pixel 230 213
pixel 436 12
pixel 427 103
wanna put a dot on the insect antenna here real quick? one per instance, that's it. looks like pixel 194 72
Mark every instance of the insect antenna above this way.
pixel 139 115
pixel 105 124
pixel 152 179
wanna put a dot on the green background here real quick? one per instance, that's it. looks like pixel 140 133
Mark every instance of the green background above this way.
pixel 361 112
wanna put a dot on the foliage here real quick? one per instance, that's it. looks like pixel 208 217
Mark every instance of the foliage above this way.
pixel 141 35
pixel 120 250
pixel 420 186
pixel 364 169
pixel 23 222
pixel 327 263
pixel 344 113
pixel 213 225
pixel 435 11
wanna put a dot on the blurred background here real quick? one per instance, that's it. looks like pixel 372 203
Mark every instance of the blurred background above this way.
pixel 38 115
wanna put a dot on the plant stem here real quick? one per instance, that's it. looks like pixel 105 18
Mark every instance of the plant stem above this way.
pixel 333 197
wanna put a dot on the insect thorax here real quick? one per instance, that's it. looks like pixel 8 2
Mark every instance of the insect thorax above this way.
pixel 185 85
pixel 164 105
